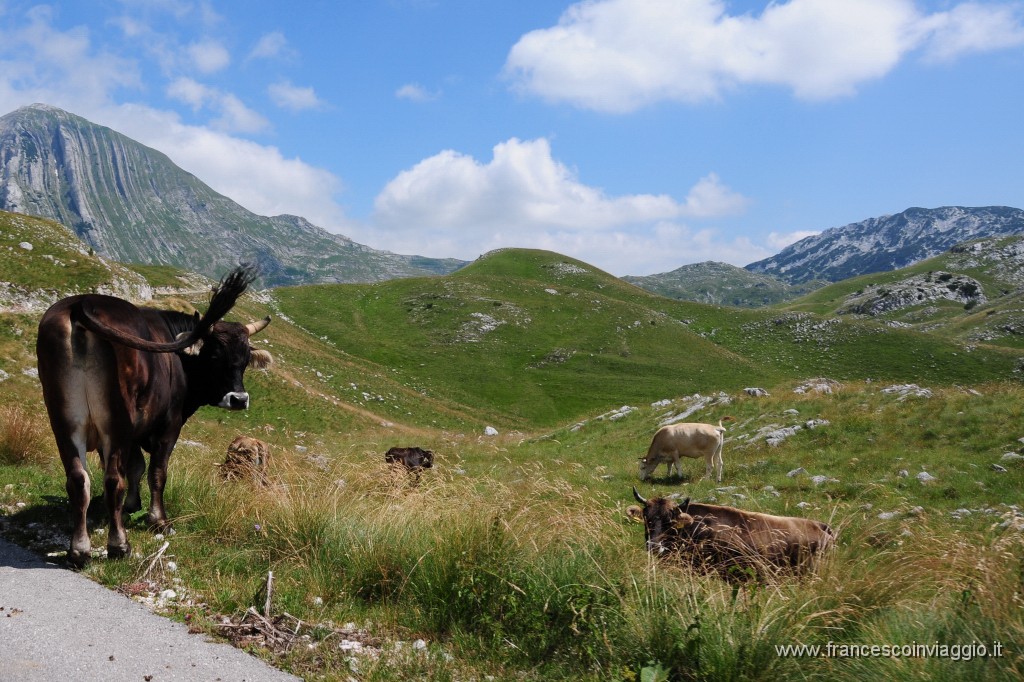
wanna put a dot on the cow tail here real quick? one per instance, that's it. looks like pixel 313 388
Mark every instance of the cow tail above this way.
pixel 226 294
pixel 222 300
pixel 90 321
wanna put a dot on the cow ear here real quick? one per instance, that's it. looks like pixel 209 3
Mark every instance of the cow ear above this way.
pixel 683 520
pixel 194 348
pixel 260 359
pixel 635 514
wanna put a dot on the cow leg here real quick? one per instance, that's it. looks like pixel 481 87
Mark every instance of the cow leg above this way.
pixel 72 456
pixel 158 459
pixel 718 461
pixel 136 467
pixel 708 462
pixel 113 492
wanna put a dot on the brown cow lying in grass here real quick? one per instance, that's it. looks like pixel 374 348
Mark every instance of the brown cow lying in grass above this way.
pixel 247 458
pixel 734 542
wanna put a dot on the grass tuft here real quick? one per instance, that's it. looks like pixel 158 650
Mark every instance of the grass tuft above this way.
pixel 24 437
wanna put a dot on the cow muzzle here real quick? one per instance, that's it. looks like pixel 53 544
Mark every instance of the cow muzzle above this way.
pixel 657 548
pixel 234 401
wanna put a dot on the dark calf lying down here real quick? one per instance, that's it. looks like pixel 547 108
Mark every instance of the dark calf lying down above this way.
pixel 727 539
pixel 411 458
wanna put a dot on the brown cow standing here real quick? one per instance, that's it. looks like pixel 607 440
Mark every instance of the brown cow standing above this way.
pixel 247 458
pixel 726 538
pixel 118 379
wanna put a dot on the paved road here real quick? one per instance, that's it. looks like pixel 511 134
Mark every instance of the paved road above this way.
pixel 58 625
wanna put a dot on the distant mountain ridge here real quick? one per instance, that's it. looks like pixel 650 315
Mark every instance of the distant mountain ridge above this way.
pixel 133 204
pixel 881 244
pixel 722 284
pixel 888 242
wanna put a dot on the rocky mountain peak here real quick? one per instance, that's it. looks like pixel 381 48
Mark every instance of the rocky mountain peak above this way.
pixel 888 242
pixel 131 203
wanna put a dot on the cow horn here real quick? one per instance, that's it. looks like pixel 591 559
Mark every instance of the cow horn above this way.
pixel 685 506
pixel 256 327
pixel 639 499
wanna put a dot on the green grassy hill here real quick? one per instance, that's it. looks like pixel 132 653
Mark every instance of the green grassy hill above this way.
pixel 41 261
pixel 722 284
pixel 520 338
pixel 532 338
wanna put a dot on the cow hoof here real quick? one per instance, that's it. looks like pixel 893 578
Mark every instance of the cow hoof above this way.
pixel 119 551
pixel 77 558
pixel 158 525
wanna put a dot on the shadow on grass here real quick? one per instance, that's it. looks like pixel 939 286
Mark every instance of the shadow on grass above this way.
pixel 672 479
pixel 44 528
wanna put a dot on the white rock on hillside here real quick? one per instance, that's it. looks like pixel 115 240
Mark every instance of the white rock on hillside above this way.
pixel 907 391
pixel 819 385
pixel 916 290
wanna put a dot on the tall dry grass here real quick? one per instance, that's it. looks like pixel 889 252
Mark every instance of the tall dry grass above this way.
pixel 24 436
pixel 530 574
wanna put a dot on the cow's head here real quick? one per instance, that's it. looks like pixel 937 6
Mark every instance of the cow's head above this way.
pixel 221 357
pixel 423 459
pixel 647 468
pixel 665 522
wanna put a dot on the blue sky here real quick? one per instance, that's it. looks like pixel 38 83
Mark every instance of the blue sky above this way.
pixel 637 135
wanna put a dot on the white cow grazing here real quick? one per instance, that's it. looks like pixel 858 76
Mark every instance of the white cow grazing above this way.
pixel 685 440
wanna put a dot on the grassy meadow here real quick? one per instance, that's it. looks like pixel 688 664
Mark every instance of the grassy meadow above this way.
pixel 514 559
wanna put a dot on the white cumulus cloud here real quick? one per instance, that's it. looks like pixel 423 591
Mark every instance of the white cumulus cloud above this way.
pixel 709 198
pixel 270 46
pixel 414 92
pixel 293 97
pixel 208 56
pixel 620 55
pixel 256 176
pixel 231 114
pixel 39 63
pixel 454 205
pixel 780 240
pixel 191 92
